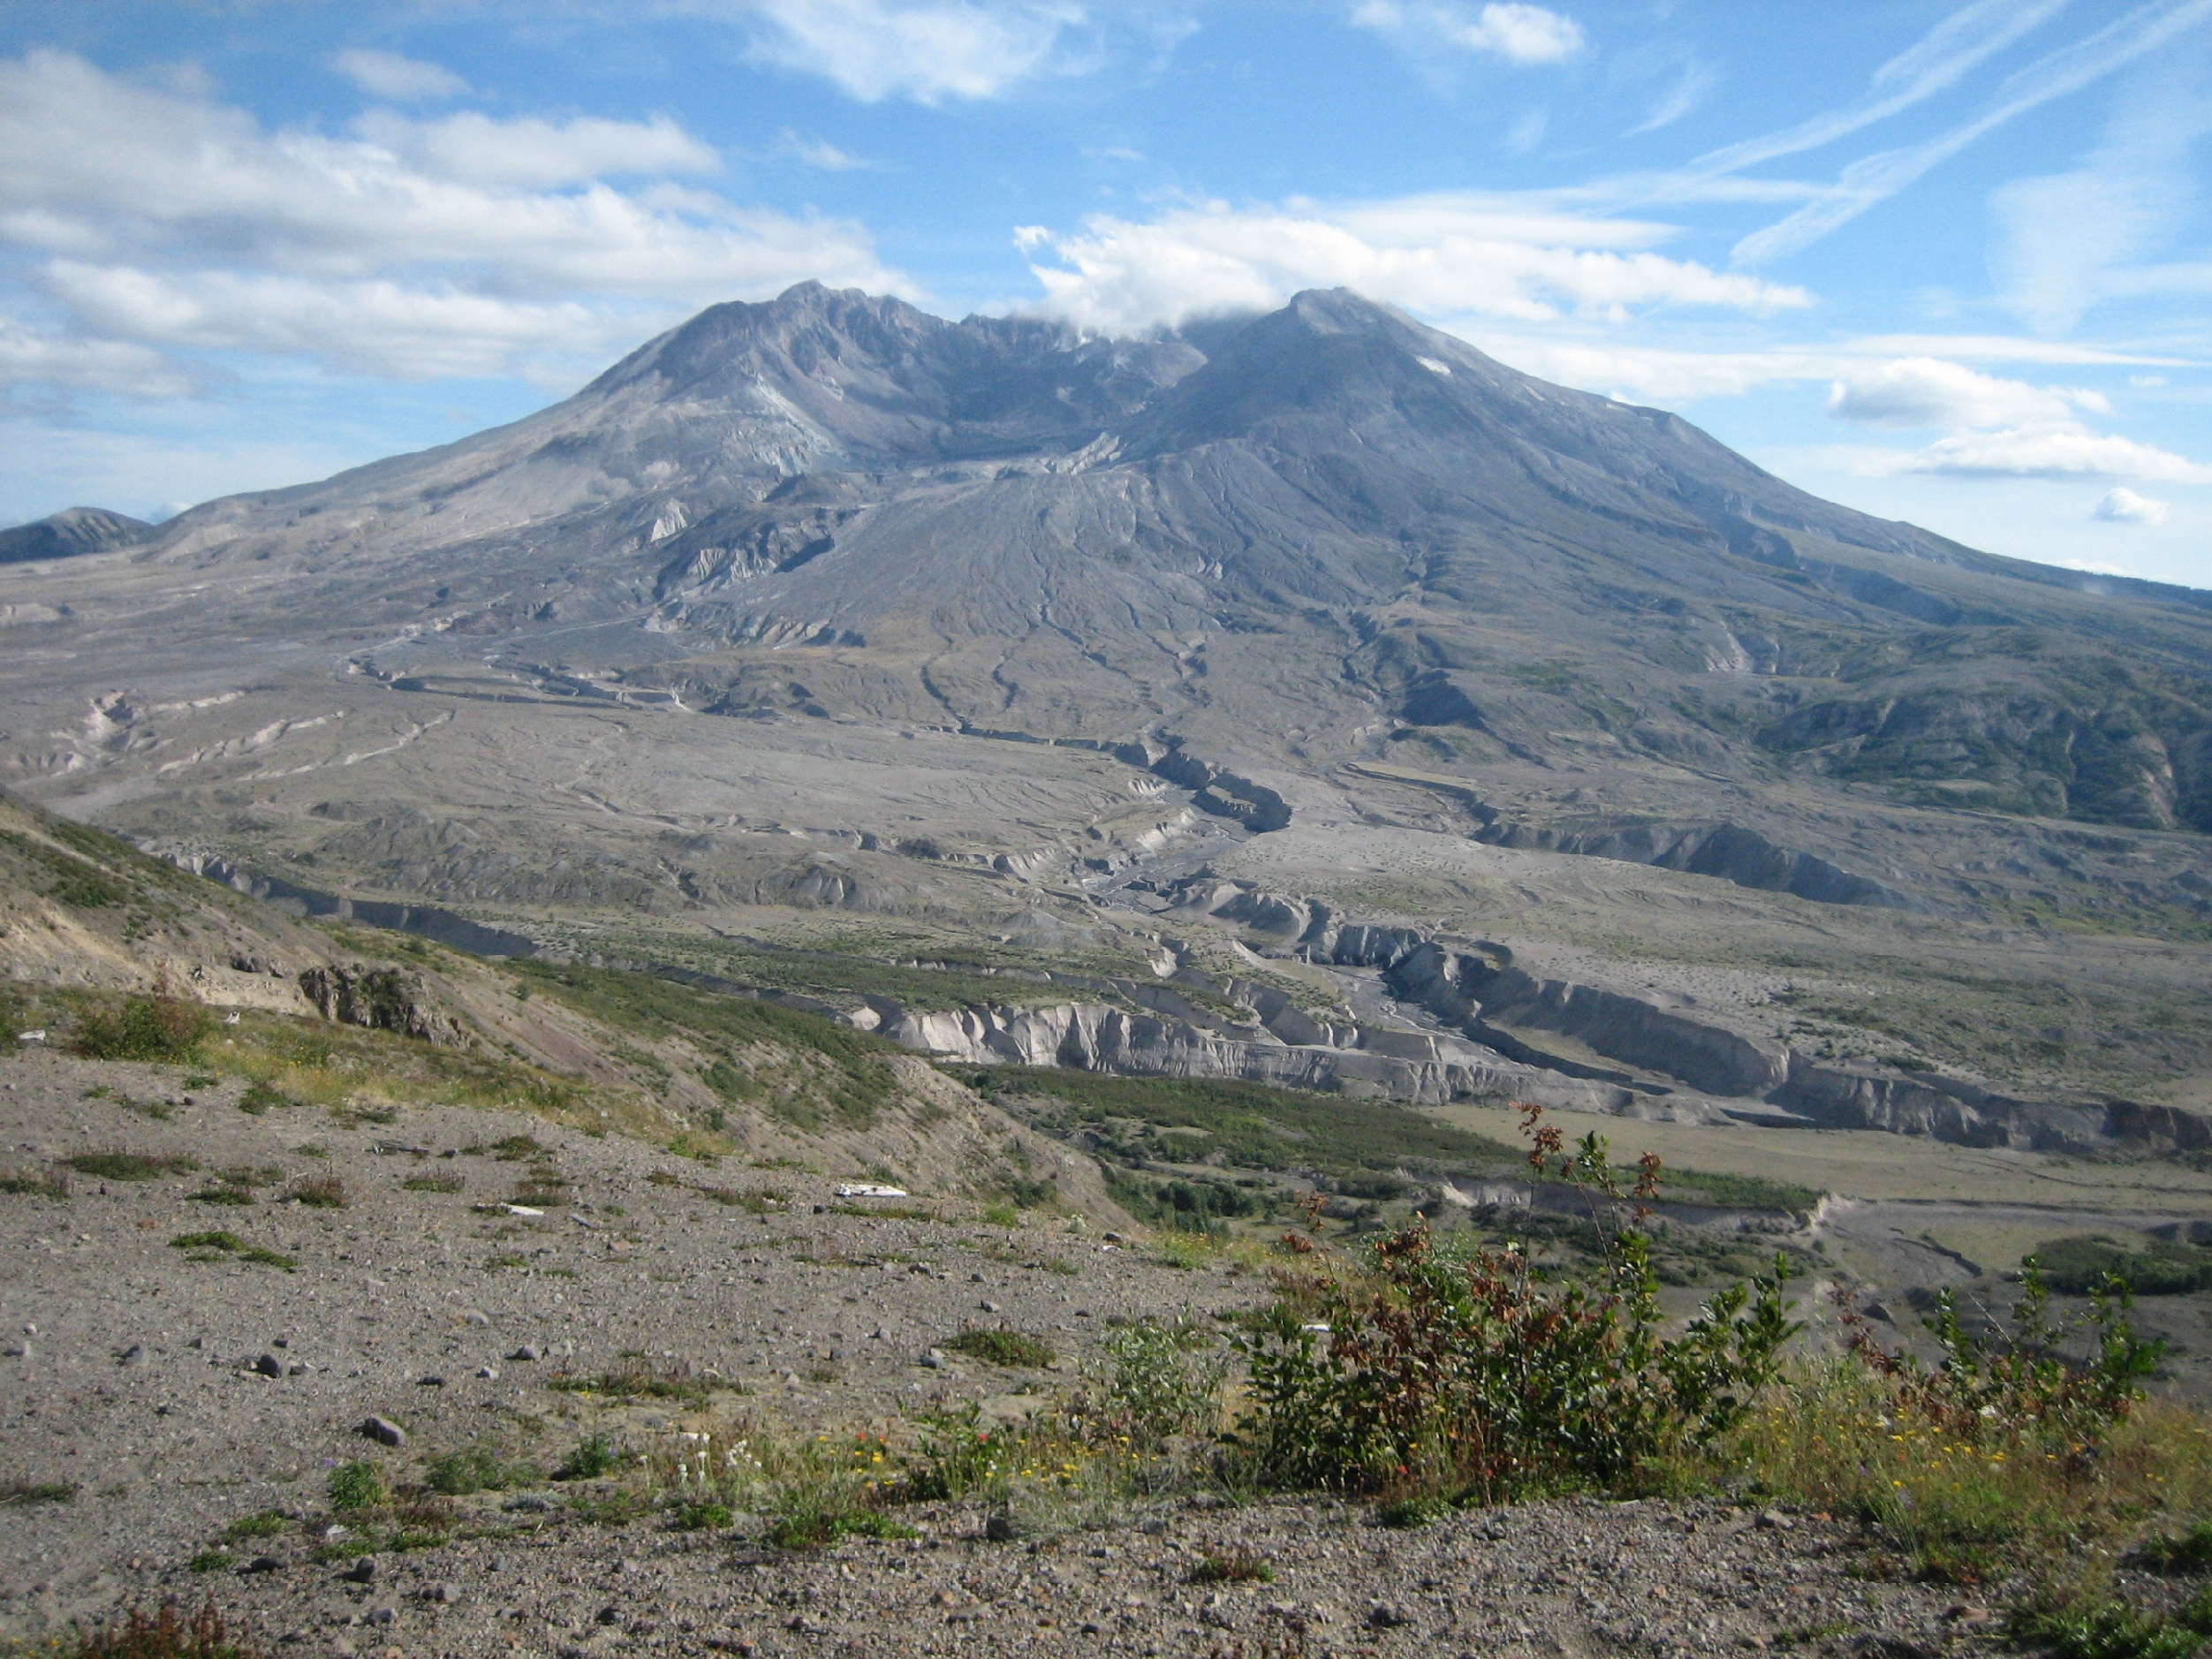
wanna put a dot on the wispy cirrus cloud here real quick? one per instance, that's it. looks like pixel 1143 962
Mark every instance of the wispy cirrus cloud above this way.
pixel 160 221
pixel 1873 179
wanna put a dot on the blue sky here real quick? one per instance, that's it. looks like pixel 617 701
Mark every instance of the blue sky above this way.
pixel 1944 262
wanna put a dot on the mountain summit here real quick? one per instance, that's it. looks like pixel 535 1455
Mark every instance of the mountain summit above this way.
pixel 1328 519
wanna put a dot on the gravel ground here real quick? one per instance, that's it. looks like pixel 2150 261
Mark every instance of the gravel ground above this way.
pixel 138 1374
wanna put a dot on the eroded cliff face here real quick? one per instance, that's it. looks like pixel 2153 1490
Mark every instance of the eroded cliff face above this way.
pixel 1472 1010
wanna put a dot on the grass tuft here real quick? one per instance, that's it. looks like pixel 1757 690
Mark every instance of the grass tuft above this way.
pixel 1003 1346
pixel 1232 1566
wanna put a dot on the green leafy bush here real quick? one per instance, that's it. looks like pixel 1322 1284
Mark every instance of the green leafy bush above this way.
pixel 159 1027
pixel 355 1487
pixel 592 1458
pixel 1478 1377
pixel 1164 1380
pixel 1475 1377
pixel 459 1473
pixel 958 1454
pixel 2082 1266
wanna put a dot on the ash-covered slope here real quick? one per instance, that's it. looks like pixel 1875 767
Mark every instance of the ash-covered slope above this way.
pixel 1323 535
pixel 71 531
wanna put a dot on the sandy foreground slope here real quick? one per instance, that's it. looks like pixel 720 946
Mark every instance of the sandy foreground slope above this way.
pixel 131 1378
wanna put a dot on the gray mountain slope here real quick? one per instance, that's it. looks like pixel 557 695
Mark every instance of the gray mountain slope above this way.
pixel 827 614
pixel 69 532
pixel 1286 540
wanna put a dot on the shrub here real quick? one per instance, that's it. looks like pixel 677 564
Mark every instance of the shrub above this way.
pixel 592 1458
pixel 958 1454
pixel 1475 1377
pixel 15 1492
pixel 816 1529
pixel 217 1245
pixel 164 1636
pixel 157 1027
pixel 259 1096
pixel 460 1473
pixel 320 1191
pixel 40 1183
pixel 220 1193
pixel 1163 1381
pixel 355 1487
pixel 2111 1630
pixel 2013 1378
pixel 2190 1552
pixel 127 1166
pixel 1233 1566
pixel 705 1517
pixel 1004 1346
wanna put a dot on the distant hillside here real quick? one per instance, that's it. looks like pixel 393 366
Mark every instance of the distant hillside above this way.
pixel 71 531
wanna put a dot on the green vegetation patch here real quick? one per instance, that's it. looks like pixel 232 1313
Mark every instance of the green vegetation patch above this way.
pixel 1250 1124
pixel 68 876
pixel 460 1473
pixel 36 1183
pixel 1003 1346
pixel 217 1245
pixel 2083 1265
pixel 160 1029
pixel 840 1075
pixel 15 1492
pixel 128 1166
pixel 639 1381
pixel 356 1486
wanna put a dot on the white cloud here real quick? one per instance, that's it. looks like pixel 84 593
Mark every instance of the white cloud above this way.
pixel 372 327
pixel 2124 506
pixel 1518 34
pixel 2049 452
pixel 167 219
pixel 33 359
pixel 531 153
pixel 1926 391
pixel 929 50
pixel 402 79
pixel 818 152
pixel 1442 254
